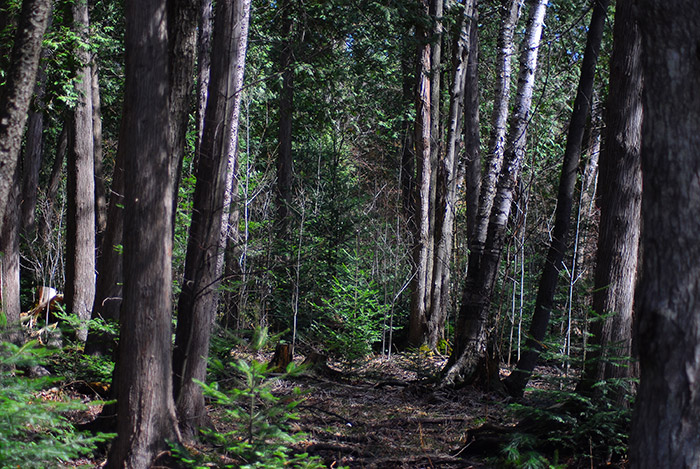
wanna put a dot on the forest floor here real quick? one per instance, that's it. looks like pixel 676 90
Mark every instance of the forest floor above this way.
pixel 385 414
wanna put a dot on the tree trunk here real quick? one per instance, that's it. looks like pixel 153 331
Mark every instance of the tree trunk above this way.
pixel 145 408
pixel 110 274
pixel 286 99
pixel 100 189
pixel 203 65
pixel 17 91
pixel 9 267
pixel 197 305
pixel 31 160
pixel 449 178
pixel 183 19
pixel 80 184
pixel 494 158
pixel 472 138
pixel 469 357
pixel 422 248
pixel 515 383
pixel 620 193
pixel 667 411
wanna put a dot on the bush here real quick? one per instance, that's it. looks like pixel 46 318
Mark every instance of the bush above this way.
pixel 35 432
pixel 350 321
pixel 258 431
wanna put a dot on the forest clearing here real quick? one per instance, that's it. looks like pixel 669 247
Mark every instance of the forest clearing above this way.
pixel 435 206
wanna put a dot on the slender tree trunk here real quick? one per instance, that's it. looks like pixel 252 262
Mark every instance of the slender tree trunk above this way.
pixel 469 357
pixel 33 154
pixel 517 380
pixel 17 91
pixel 620 194
pixel 54 184
pixel 100 189
pixel 422 249
pixel 183 19
pixel 197 305
pixel 667 410
pixel 80 184
pixel 9 267
pixel 448 180
pixel 472 138
pixel 284 156
pixel 203 65
pixel 110 274
pixel 510 11
pixel 145 407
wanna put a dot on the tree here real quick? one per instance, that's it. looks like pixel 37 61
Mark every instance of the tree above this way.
pixel 197 304
pixel 517 380
pixel 667 410
pixel 422 234
pixel 449 177
pixel 17 91
pixel 468 360
pixel 80 183
pixel 145 406
pixel 619 198
pixel 510 14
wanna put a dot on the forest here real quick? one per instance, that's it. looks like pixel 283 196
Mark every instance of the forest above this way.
pixel 349 233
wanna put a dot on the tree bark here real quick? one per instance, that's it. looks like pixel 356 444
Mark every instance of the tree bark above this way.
pixel 183 19
pixel 17 91
pixel 667 410
pixel 518 379
pixel 448 180
pixel 33 154
pixel 619 195
pixel 471 167
pixel 197 305
pixel 203 65
pixel 510 11
pixel 422 248
pixel 80 183
pixel 100 189
pixel 145 406
pixel 9 267
pixel 469 357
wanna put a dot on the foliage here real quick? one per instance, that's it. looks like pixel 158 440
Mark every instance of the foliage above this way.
pixel 258 433
pixel 35 432
pixel 568 422
pixel 350 319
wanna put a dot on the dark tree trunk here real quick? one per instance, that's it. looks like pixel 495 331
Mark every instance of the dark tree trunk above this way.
pixel 31 161
pixel 110 275
pixel 100 189
pixel 145 407
pixel 471 167
pixel 667 410
pixel 9 267
pixel 515 383
pixel 80 185
pixel 469 357
pixel 54 184
pixel 619 195
pixel 17 91
pixel 284 157
pixel 197 305
pixel 183 19
pixel 203 65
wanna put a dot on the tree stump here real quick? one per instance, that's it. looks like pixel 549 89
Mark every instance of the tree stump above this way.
pixel 281 359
